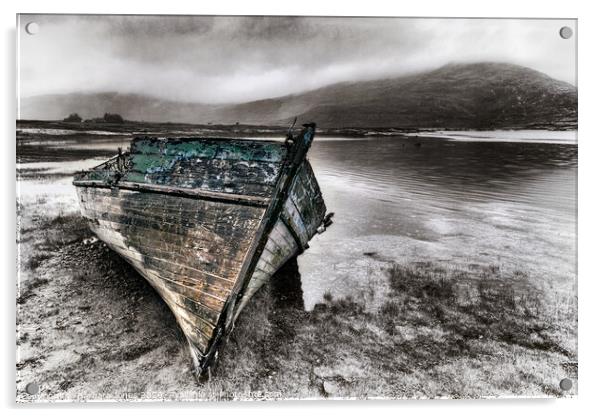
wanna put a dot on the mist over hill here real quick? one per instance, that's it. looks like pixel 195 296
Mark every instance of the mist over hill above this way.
pixel 456 96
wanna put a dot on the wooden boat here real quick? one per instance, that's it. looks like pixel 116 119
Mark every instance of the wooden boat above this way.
pixel 206 221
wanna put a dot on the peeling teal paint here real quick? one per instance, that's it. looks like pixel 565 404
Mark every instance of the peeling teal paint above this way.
pixel 232 166
pixel 211 148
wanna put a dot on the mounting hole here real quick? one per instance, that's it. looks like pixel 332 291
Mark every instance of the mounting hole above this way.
pixel 32 28
pixel 32 388
pixel 566 32
pixel 566 384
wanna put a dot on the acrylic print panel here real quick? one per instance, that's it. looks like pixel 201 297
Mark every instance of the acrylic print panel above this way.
pixel 176 176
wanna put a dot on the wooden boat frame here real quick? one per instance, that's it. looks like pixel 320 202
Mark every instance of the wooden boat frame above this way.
pixel 297 148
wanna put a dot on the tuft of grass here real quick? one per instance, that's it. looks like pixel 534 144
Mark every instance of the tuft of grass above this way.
pixel 36 260
pixel 63 230
pixel 421 281
pixel 29 289
pixel 474 305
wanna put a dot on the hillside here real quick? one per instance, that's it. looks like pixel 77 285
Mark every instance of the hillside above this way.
pixel 458 96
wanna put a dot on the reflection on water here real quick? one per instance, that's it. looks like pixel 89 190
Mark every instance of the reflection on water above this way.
pixel 522 136
pixel 447 174
pixel 510 204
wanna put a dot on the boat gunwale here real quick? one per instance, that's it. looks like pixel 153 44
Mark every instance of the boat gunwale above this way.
pixel 194 193
pixel 200 138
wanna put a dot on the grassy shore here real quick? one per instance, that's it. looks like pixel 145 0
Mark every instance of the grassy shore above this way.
pixel 90 327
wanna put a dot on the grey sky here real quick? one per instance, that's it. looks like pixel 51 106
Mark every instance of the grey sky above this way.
pixel 232 59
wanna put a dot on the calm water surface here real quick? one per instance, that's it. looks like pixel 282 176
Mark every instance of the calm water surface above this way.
pixel 509 202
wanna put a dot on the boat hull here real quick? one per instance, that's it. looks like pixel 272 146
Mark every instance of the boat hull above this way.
pixel 205 248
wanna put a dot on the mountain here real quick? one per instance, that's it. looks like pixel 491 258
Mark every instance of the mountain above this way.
pixel 462 96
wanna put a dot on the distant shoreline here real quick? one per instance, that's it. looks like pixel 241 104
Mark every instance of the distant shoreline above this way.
pixel 141 128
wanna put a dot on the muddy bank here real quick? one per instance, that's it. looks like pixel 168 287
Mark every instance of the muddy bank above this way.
pixel 89 327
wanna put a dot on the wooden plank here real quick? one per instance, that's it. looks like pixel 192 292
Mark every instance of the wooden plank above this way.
pixel 189 236
pixel 213 256
pixel 239 167
pixel 314 209
pixel 218 219
pixel 195 312
pixel 211 148
pixel 308 200
pixel 259 278
pixel 209 315
pixel 211 174
pixel 293 218
pixel 281 234
pixel 178 223
pixel 211 294
pixel 173 296
pixel 279 249
pixel 217 264
pixel 211 187
pixel 216 210
pixel 203 284
pixel 198 337
pixel 252 200
pixel 277 253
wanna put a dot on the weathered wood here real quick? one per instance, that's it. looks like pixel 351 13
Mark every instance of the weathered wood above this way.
pixel 281 234
pixel 180 191
pixel 206 221
pixel 280 248
pixel 167 265
pixel 209 295
pixel 237 167
pixel 206 215
pixel 295 158
pixel 238 177
pixel 307 199
pixel 293 220
pixel 215 233
pixel 214 259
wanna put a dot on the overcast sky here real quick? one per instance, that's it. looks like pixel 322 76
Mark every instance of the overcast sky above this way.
pixel 233 59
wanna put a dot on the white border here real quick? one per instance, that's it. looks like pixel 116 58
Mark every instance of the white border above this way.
pixel 590 139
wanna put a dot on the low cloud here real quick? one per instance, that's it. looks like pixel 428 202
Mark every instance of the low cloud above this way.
pixel 221 59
